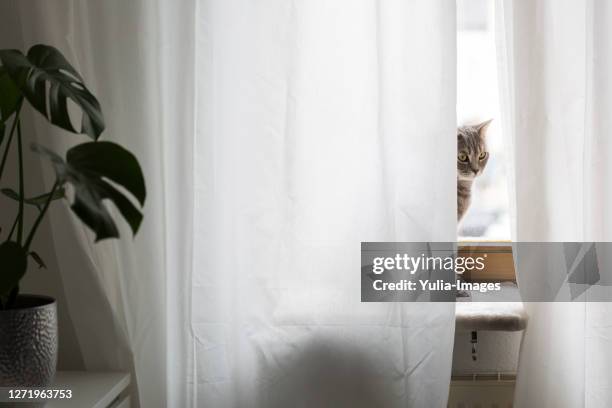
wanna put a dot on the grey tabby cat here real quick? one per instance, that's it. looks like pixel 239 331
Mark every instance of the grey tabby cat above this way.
pixel 472 157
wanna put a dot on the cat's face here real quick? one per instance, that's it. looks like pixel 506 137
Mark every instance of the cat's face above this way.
pixel 472 154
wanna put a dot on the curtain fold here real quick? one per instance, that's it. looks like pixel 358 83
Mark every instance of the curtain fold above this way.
pixel 555 60
pixel 320 125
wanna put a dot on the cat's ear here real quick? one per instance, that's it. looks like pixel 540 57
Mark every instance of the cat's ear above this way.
pixel 482 127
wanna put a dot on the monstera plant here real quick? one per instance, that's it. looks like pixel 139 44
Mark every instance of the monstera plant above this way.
pixel 94 173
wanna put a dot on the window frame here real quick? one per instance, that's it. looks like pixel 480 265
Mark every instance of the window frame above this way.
pixel 499 266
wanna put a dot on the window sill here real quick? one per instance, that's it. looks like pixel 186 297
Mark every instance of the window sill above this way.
pixel 475 313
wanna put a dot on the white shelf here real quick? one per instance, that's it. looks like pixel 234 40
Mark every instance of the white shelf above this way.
pixel 92 389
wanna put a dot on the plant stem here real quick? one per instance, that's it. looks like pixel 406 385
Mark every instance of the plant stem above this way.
pixel 10 235
pixel 10 139
pixel 40 217
pixel 21 188
pixel 12 297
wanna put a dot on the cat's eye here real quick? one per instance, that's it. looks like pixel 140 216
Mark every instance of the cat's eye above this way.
pixel 483 155
pixel 462 157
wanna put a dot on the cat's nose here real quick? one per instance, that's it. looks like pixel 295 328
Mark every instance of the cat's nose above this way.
pixel 475 170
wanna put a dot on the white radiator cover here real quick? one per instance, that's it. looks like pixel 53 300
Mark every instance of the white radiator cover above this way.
pixel 483 393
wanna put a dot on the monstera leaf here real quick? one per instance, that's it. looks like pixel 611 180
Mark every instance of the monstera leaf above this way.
pixel 14 262
pixel 94 169
pixel 10 96
pixel 47 81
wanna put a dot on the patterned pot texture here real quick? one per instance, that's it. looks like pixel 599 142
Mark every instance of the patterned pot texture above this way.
pixel 28 342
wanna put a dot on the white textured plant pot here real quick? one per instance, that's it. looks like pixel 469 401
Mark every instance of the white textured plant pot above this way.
pixel 28 342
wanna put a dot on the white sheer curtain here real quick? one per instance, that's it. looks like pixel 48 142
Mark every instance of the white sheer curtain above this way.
pixel 311 126
pixel 320 125
pixel 129 298
pixel 555 59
